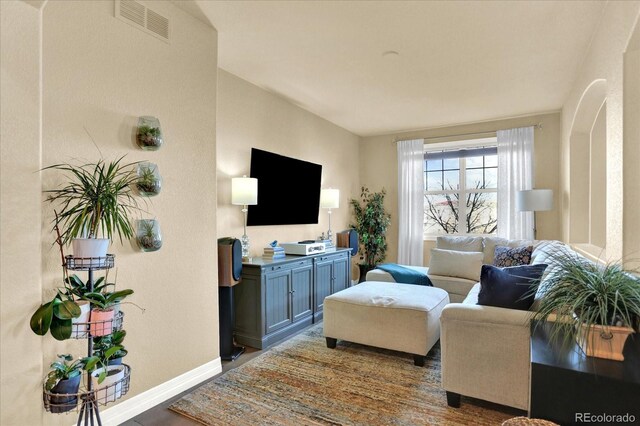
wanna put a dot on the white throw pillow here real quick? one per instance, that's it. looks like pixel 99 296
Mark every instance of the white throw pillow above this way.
pixel 451 263
pixel 458 243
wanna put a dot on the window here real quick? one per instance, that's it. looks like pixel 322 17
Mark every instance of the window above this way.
pixel 462 170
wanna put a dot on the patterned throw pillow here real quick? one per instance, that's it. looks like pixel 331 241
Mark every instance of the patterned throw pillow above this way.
pixel 512 256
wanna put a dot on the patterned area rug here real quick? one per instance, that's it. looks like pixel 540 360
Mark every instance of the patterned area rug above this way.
pixel 302 382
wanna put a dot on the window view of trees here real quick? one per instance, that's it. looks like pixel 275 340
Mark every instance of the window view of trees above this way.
pixel 461 192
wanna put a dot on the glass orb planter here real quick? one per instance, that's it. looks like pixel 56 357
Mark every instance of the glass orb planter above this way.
pixel 149 181
pixel 148 235
pixel 149 134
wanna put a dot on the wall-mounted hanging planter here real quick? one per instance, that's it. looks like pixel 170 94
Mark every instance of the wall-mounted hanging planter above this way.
pixel 149 180
pixel 148 235
pixel 149 134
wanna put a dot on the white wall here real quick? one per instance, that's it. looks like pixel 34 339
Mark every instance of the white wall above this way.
pixel 250 117
pixel 605 61
pixel 20 211
pixel 99 75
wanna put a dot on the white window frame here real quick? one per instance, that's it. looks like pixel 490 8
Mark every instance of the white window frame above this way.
pixel 462 190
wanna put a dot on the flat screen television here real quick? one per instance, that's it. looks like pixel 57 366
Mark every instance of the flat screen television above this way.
pixel 288 190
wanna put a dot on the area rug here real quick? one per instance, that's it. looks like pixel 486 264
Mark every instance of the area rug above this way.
pixel 302 382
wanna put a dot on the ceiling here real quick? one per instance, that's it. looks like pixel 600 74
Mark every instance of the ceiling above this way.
pixel 457 62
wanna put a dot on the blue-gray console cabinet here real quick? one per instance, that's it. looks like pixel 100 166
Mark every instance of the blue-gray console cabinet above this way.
pixel 277 298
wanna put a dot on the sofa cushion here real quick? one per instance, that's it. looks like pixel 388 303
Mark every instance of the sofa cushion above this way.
pixel 509 287
pixel 516 256
pixel 459 243
pixel 458 288
pixel 451 263
pixel 490 244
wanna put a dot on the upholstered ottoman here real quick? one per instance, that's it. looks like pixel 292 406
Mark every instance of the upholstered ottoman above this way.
pixel 401 317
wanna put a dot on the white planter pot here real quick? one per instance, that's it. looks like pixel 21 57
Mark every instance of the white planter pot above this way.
pixel 90 247
pixel 107 391
pixel 603 341
pixel 79 325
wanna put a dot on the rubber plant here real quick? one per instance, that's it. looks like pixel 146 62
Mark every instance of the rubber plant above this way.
pixel 371 223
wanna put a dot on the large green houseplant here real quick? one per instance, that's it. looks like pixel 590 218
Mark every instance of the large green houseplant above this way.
pixel 96 201
pixel 597 305
pixel 371 223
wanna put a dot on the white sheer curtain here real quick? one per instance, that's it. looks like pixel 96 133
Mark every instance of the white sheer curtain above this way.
pixel 515 173
pixel 410 202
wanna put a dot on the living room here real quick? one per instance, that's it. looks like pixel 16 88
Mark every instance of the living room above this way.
pixel 76 79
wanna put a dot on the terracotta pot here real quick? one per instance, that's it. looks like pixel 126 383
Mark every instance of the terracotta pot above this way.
pixel 101 322
pixel 603 341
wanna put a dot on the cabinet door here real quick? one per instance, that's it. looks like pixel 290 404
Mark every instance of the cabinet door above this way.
pixel 301 292
pixel 340 274
pixel 276 303
pixel 323 269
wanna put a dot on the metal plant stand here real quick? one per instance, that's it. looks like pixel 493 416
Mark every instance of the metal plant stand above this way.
pixel 88 398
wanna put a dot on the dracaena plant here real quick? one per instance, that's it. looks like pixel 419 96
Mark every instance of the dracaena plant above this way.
pixel 96 200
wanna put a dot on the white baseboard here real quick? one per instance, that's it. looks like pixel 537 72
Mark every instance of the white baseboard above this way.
pixel 142 402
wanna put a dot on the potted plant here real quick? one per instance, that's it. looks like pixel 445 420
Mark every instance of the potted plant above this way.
pixel 597 305
pixel 103 313
pixel 371 223
pixel 77 289
pixel 149 182
pixel 149 134
pixel 108 378
pixel 148 235
pixel 102 344
pixel 97 200
pixel 55 316
pixel 64 379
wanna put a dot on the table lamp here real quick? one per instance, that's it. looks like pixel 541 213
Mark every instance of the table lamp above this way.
pixel 244 192
pixel 330 199
pixel 534 200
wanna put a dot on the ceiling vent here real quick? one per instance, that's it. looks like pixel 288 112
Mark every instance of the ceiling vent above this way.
pixel 137 14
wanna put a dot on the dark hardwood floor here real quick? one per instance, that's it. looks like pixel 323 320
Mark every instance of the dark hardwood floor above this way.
pixel 161 415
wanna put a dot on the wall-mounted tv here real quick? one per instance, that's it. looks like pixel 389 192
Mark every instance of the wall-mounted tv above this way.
pixel 288 190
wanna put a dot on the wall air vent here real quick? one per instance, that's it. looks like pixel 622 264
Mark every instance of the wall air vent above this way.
pixel 137 14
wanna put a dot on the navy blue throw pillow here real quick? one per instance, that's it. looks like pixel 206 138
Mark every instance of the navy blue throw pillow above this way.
pixel 509 287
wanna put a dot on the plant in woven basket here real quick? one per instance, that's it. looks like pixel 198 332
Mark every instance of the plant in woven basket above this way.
pixel 597 304
pixel 371 223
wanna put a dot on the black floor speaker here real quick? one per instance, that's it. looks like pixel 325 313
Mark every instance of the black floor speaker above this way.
pixel 229 274
pixel 228 350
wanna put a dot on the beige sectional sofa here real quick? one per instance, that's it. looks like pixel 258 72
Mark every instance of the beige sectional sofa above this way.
pixel 484 349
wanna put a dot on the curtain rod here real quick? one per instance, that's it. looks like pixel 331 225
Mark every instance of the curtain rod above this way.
pixel 486 133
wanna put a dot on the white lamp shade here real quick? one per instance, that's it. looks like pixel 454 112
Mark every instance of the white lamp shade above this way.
pixel 534 200
pixel 244 191
pixel 330 198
